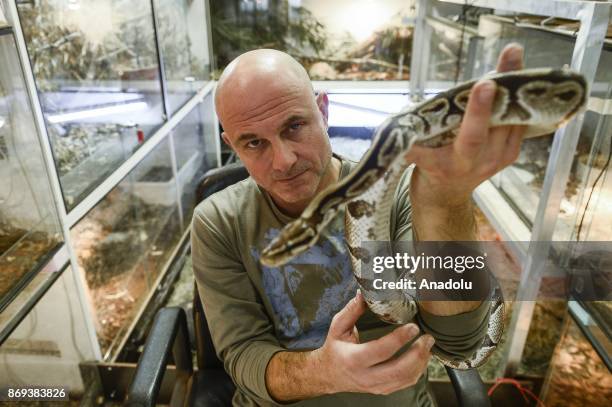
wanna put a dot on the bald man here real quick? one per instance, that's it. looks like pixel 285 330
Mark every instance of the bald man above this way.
pixel 300 333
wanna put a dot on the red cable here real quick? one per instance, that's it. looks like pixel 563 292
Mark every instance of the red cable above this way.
pixel 524 391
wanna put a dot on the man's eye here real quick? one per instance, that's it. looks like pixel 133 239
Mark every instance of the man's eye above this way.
pixel 296 126
pixel 253 144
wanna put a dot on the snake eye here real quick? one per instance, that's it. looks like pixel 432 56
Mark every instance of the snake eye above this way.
pixel 567 95
pixel 536 91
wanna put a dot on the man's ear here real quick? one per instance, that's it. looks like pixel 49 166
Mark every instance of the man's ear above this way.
pixel 226 139
pixel 323 105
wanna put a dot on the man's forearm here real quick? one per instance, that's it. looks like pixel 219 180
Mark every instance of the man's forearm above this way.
pixel 437 217
pixel 442 218
pixel 293 376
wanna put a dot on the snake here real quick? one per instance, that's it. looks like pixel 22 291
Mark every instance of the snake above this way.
pixel 541 99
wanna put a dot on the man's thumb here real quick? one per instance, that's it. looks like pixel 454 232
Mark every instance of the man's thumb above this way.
pixel 345 320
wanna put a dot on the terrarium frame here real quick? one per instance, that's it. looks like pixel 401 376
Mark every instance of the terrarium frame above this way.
pixel 29 228
pixel 68 219
pixel 594 17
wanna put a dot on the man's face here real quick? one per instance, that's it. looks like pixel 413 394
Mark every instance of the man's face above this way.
pixel 280 134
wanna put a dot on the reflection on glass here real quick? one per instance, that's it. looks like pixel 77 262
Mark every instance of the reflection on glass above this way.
pixel 184 48
pixel 334 40
pixel 95 64
pixel 196 152
pixel 448 46
pixel 29 229
pixel 123 243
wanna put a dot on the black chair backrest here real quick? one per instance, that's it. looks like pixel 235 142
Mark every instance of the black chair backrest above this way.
pixel 212 181
pixel 219 178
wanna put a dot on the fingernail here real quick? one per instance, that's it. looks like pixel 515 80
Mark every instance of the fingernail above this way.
pixel 516 54
pixel 357 295
pixel 429 342
pixel 412 329
pixel 486 91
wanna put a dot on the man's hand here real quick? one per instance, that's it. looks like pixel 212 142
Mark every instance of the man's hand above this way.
pixel 447 176
pixel 343 364
pixel 370 367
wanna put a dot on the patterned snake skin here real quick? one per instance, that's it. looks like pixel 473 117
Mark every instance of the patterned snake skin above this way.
pixel 541 99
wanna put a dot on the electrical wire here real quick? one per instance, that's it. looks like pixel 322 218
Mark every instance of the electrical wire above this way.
pixel 586 207
pixel 463 16
pixel 525 392
pixel 599 176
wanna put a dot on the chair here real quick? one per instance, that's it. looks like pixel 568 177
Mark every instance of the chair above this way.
pixel 209 385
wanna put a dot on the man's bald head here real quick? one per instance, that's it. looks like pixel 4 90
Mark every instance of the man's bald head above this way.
pixel 277 127
pixel 255 69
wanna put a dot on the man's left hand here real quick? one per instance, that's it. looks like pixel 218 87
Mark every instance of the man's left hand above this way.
pixel 447 176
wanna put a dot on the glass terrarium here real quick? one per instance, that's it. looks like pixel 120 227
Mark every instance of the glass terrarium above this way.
pixel 97 73
pixel 522 182
pixel 124 243
pixel 29 228
pixel 334 40
pixel 183 39
pixel 196 145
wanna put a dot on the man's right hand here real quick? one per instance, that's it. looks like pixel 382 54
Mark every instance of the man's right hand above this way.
pixel 370 367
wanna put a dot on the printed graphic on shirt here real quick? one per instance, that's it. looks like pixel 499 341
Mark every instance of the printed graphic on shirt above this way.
pixel 309 290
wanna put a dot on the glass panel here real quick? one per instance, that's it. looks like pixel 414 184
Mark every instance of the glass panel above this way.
pixel 600 313
pixel 47 346
pixel 577 374
pixel 184 47
pixel 95 64
pixel 123 243
pixel 3 22
pixel 196 152
pixel 586 211
pixel 521 183
pixel 449 48
pixel 32 292
pixel 334 40
pixel 29 229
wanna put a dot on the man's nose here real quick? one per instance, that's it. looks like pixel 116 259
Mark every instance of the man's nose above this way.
pixel 284 157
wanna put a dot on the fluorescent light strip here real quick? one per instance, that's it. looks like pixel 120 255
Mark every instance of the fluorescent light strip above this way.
pixel 97 112
pixel 113 180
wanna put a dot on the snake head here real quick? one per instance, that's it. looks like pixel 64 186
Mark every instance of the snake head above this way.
pixel 295 238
